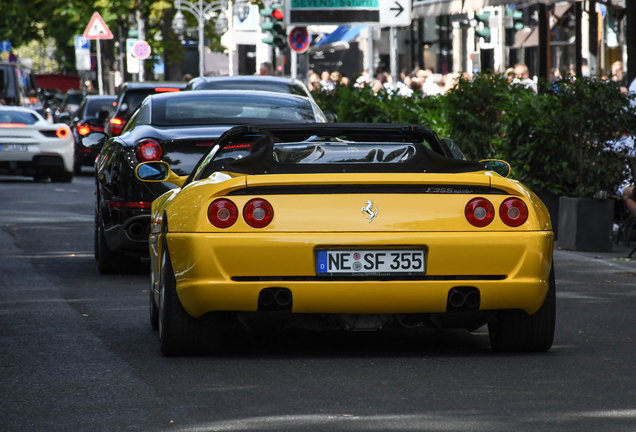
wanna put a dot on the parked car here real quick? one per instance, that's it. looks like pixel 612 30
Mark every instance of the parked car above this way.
pixel 178 128
pixel 130 96
pixel 256 83
pixel 31 146
pixel 91 116
pixel 348 226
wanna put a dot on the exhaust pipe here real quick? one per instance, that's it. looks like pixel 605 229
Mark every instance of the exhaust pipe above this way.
pixel 473 299
pixel 283 297
pixel 136 230
pixel 456 298
pixel 267 297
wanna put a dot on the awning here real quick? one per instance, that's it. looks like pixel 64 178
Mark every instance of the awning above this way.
pixel 338 39
pixel 424 8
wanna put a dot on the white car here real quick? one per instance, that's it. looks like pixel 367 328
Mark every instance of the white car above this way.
pixel 31 146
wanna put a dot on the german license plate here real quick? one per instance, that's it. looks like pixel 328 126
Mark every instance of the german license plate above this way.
pixel 13 147
pixel 374 262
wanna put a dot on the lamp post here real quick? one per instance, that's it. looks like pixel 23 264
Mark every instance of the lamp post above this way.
pixel 201 10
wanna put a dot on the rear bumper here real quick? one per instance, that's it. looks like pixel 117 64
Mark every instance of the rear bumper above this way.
pixel 48 153
pixel 226 272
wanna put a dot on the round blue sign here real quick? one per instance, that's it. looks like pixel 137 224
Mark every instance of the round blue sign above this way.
pixel 299 39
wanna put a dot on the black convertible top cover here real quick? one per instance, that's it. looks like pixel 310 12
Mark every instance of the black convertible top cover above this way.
pixel 261 160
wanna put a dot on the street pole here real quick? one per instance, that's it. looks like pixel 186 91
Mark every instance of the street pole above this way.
pixel 294 64
pixel 201 19
pixel 370 55
pixel 99 68
pixel 141 28
pixel 230 24
pixel 393 58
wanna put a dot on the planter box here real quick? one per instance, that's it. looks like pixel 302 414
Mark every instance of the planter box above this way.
pixel 551 201
pixel 586 224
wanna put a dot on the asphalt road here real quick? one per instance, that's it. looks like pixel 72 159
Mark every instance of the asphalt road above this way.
pixel 77 351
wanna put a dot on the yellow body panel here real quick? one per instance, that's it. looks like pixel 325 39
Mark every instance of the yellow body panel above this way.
pixel 204 265
pixel 206 259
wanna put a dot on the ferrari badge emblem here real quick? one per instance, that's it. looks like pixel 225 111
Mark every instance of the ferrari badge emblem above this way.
pixel 370 211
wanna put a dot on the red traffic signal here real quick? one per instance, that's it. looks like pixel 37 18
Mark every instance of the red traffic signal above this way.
pixel 277 14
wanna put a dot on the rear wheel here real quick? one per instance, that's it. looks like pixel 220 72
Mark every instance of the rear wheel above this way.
pixel 180 334
pixel 515 330
pixel 154 311
pixel 108 262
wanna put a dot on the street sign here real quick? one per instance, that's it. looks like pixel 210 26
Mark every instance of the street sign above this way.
pixel 5 46
pixel 4 55
pixel 97 28
pixel 299 39
pixel 384 13
pixel 141 50
pixel 82 53
pixel 132 64
pixel 81 43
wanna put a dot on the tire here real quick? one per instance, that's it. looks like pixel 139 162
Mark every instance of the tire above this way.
pixel 180 334
pixel 154 311
pixel 61 176
pixel 108 262
pixel 516 331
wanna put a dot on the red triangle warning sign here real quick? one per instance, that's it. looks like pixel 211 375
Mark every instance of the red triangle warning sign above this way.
pixel 97 28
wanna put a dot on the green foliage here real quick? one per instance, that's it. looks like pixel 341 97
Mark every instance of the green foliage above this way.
pixel 561 140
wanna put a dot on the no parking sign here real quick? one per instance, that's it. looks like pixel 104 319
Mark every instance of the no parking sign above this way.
pixel 141 50
pixel 299 39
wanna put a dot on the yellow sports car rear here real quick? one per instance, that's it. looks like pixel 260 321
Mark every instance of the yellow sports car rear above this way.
pixel 361 227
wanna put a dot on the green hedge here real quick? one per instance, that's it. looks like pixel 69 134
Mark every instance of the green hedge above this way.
pixel 557 141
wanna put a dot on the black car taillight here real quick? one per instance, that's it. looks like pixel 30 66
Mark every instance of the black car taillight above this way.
pixel 117 125
pixel 149 150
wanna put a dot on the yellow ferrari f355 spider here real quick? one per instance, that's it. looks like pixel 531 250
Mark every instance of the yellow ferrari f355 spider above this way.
pixel 351 226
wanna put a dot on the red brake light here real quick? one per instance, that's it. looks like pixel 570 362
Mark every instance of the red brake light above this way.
pixel 513 212
pixel 258 213
pixel 236 146
pixel 149 150
pixel 479 212
pixel 166 89
pixel 62 132
pixel 116 125
pixel 222 213
pixel 83 129
pixel 205 144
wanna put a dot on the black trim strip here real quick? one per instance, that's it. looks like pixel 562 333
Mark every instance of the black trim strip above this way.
pixel 364 278
pixel 367 189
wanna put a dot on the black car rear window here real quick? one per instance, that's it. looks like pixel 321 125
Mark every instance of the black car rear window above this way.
pixel 134 98
pixel 75 99
pixel 273 86
pixel 222 109
pixel 96 106
pixel 17 117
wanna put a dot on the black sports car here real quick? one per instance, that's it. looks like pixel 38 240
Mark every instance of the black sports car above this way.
pixel 177 128
pixel 260 83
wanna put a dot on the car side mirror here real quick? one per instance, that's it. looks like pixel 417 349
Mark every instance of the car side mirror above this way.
pixel 500 167
pixel 155 172
pixel 94 140
pixel 331 117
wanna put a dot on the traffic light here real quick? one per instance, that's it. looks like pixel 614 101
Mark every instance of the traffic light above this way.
pixel 514 23
pixel 275 26
pixel 483 30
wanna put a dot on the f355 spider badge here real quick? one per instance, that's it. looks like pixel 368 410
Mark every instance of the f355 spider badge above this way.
pixel 370 211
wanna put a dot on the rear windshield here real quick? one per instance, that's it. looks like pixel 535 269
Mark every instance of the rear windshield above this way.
pixel 17 117
pixel 223 109
pixel 96 106
pixel 343 152
pixel 75 99
pixel 273 86
pixel 134 98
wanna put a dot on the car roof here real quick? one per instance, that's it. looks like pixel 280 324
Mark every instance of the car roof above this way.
pixel 151 85
pixel 246 78
pixel 104 97
pixel 16 108
pixel 247 93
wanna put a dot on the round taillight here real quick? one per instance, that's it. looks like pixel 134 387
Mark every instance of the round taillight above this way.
pixel 258 213
pixel 222 213
pixel 480 212
pixel 149 150
pixel 62 132
pixel 513 212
